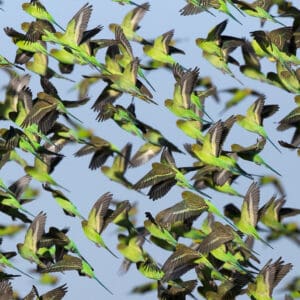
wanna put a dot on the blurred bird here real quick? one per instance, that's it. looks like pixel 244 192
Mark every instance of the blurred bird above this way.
pixel 185 103
pixel 197 6
pixel 117 171
pixel 255 115
pixel 164 175
pixel 158 232
pixel 101 150
pixel 28 249
pixel 10 196
pixel 54 294
pixel 216 48
pixel 251 153
pixel 259 9
pixel 248 219
pixel 267 279
pixel 4 261
pixel 211 153
pixel 68 207
pixel 187 210
pixel 161 50
pixel 69 263
pixel 273 212
pixel 130 23
pixel 292 119
pixel 94 225
pixel 252 66
pixel 277 44
pixel 36 9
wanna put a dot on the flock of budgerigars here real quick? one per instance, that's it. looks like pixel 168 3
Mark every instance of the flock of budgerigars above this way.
pixel 220 250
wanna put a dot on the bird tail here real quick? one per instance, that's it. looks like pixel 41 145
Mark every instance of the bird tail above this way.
pixel 269 167
pixel 273 145
pixel 103 285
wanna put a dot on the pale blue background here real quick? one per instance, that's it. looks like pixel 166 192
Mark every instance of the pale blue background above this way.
pixel 87 186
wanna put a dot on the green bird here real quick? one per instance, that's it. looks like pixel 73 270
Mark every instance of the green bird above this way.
pixel 42 169
pixel 191 129
pixel 21 55
pixel 35 30
pixel 181 105
pixel 4 261
pixel 125 56
pixel 276 45
pixel 251 153
pixel 218 179
pixel 273 212
pixel 149 268
pixel 160 51
pixel 11 230
pixel 29 42
pixel 210 152
pixel 28 250
pixel 76 34
pixel 39 65
pixel 76 48
pixel 189 209
pixel 158 232
pixel 131 247
pixel 253 120
pixel 94 225
pixel 130 23
pixel 164 175
pixel 155 142
pixel 288 78
pixel 54 294
pixel 120 216
pixel 10 196
pixel 249 213
pixel 27 140
pixel 252 66
pixel 216 48
pixel 273 180
pixel 178 290
pixel 117 171
pixel 194 7
pixel 69 263
pixel 33 47
pixel 124 118
pixel 46 111
pixel 267 279
pixel 36 9
pixel 68 207
pixel 14 95
pixel 101 150
pixel 184 259
pixel 126 82
pixel 222 6
pixel 59 240
pixel 215 243
pixel 238 95
pixel 198 6
pixel 259 9
pixel 292 120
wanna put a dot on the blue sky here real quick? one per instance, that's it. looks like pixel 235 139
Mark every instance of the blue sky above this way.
pixel 86 185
